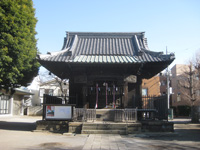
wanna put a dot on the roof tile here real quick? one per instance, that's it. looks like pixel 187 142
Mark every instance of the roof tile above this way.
pixel 105 48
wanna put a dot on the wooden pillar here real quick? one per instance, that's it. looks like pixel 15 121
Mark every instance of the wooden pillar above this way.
pixel 139 93
pixel 84 96
pixel 79 93
pixel 75 93
pixel 131 94
pixel 125 97
pixel 72 94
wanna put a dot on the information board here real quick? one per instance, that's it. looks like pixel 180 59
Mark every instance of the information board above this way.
pixel 59 112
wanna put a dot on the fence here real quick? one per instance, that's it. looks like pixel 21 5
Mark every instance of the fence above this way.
pixel 121 115
pixel 125 115
pixel 82 114
pixel 154 107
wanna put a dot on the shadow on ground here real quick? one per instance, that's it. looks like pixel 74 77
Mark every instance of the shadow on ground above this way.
pixel 54 146
pixel 19 126
pixel 183 131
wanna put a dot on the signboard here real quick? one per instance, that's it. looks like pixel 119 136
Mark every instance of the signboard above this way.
pixel 131 79
pixel 58 112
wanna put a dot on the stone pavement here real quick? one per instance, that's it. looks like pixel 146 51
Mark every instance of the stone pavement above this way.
pixel 111 142
pixel 103 141
pixel 138 142
pixel 15 133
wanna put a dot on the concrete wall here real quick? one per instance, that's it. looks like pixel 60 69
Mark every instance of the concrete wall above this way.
pixel 17 104
pixel 35 98
pixel 35 111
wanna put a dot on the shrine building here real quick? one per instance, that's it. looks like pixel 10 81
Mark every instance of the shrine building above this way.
pixel 105 69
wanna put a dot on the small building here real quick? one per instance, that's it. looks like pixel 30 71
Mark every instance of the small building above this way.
pixel 105 70
pixel 50 87
pixel 53 88
pixel 14 103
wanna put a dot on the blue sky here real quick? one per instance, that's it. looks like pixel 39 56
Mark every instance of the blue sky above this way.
pixel 171 23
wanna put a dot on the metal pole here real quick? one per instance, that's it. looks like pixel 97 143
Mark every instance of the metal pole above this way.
pixel 106 94
pixel 168 94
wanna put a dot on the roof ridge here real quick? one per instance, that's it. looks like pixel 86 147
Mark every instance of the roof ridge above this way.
pixel 105 33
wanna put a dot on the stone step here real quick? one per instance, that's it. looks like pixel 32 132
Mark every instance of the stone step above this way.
pixel 111 128
pixel 122 132
pixel 115 124
pixel 104 126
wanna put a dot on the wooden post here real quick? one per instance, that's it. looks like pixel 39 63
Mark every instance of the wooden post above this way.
pixel 44 107
pixel 131 94
pixel 72 95
pixel 125 97
pixel 84 96
pixel 139 97
pixel 139 92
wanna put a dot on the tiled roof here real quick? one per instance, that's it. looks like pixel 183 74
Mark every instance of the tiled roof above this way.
pixel 90 47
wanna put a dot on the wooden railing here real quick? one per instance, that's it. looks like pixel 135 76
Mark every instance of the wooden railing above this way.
pixel 125 115
pixel 91 114
pixel 82 114
pixel 121 115
pixel 130 115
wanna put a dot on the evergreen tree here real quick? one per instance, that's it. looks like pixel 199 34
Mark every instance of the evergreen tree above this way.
pixel 18 48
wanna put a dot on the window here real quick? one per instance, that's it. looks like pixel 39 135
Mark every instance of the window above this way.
pixel 49 91
pixel 4 104
pixel 42 92
pixel 197 92
pixel 163 83
pixel 144 92
pixel 178 97
pixel 45 91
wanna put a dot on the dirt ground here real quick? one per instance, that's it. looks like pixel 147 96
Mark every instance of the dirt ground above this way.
pixel 16 133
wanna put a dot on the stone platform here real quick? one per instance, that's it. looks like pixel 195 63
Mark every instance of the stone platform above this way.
pixel 157 126
pixel 110 128
pixel 102 127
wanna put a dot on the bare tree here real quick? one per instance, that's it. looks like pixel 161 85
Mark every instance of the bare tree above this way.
pixel 48 76
pixel 189 83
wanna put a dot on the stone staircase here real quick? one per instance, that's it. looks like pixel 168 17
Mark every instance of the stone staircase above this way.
pixel 110 128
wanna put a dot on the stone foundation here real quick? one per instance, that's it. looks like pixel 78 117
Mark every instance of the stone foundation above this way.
pixel 52 126
pixel 104 127
pixel 75 127
pixel 157 126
